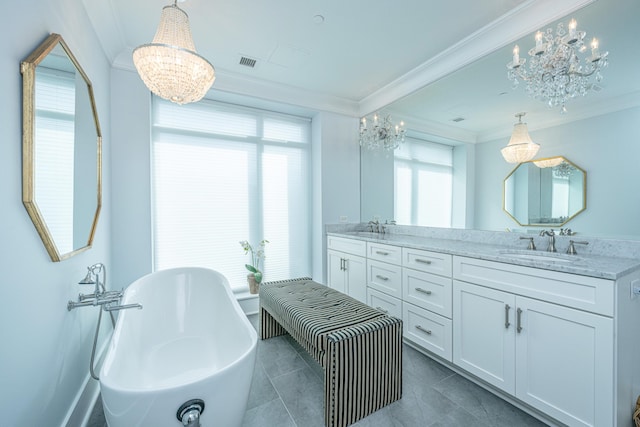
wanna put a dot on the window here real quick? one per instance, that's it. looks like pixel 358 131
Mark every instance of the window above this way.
pixel 54 120
pixel 423 183
pixel 222 174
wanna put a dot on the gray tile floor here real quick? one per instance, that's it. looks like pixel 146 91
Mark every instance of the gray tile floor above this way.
pixel 287 392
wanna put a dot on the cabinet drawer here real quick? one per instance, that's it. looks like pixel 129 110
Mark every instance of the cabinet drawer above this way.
pixel 428 291
pixel 430 262
pixel 385 253
pixel 352 246
pixel 385 277
pixel 385 303
pixel 430 331
pixel 571 290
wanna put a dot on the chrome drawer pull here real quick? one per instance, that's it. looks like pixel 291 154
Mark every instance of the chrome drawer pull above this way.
pixel 382 310
pixel 382 253
pixel 426 331
pixel 519 320
pixel 423 261
pixel 506 316
pixel 424 291
pixel 382 277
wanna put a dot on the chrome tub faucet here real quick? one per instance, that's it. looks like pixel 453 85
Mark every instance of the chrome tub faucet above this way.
pixel 100 297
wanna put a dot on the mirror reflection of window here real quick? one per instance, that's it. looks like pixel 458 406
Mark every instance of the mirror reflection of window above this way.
pixel 560 197
pixel 54 152
pixel 423 183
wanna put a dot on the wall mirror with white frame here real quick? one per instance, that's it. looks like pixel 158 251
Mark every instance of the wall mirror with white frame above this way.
pixel 62 153
pixel 472 110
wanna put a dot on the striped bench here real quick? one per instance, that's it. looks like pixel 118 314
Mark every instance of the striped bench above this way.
pixel 358 347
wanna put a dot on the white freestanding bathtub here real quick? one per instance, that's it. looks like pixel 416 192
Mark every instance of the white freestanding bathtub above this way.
pixel 191 341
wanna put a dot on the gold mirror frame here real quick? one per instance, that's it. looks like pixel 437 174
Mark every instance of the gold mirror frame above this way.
pixel 28 70
pixel 543 163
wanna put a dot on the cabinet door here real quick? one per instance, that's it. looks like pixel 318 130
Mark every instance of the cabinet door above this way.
pixel 356 270
pixel 483 333
pixel 337 278
pixel 564 360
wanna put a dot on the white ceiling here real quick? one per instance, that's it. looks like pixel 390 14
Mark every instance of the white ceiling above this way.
pixel 364 55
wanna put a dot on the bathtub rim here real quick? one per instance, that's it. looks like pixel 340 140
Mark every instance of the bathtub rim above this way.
pixel 105 380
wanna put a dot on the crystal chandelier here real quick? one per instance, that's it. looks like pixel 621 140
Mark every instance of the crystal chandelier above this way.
pixel 170 66
pixel 520 147
pixel 381 134
pixel 555 73
pixel 563 170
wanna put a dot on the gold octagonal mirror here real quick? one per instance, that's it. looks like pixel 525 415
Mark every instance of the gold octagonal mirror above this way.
pixel 545 192
pixel 61 149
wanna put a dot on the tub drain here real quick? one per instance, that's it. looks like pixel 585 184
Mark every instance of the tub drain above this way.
pixel 189 412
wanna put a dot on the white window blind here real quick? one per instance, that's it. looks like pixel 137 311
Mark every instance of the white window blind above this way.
pixel 423 183
pixel 222 174
pixel 54 127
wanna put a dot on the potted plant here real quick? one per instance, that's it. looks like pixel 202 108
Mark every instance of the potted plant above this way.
pixel 257 255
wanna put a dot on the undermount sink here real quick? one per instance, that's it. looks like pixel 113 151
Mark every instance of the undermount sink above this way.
pixel 539 256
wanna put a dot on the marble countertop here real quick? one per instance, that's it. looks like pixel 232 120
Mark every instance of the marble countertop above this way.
pixel 586 265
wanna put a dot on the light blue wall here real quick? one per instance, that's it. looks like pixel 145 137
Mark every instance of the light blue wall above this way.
pixel 336 183
pixel 131 178
pixel 607 147
pixel 45 349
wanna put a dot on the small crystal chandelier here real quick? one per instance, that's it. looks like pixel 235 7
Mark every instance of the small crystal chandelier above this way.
pixel 382 134
pixel 555 73
pixel 563 170
pixel 170 66
pixel 520 148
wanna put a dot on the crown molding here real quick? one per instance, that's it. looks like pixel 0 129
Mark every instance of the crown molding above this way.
pixel 522 20
pixel 261 89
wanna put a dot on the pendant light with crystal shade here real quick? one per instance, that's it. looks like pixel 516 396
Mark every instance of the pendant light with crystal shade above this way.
pixel 520 148
pixel 170 66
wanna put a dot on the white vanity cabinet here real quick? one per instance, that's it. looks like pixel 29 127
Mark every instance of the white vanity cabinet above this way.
pixel 555 354
pixel 562 345
pixel 346 266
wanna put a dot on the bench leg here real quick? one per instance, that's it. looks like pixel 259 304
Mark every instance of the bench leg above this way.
pixel 363 372
pixel 269 327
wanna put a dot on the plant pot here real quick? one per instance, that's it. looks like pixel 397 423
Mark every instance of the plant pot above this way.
pixel 254 286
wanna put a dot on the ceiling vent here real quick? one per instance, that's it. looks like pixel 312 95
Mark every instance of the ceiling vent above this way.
pixel 247 62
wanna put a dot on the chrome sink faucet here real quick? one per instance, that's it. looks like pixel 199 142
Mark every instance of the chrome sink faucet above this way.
pixel 552 240
pixel 531 246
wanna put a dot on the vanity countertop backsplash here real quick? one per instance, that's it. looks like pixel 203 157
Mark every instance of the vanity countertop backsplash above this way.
pixel 603 258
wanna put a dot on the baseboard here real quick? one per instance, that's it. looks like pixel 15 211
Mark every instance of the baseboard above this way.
pixel 84 403
pixel 82 408
pixel 248 302
pixel 491 389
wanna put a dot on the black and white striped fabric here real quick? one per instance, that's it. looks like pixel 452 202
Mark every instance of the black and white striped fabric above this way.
pixel 359 347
